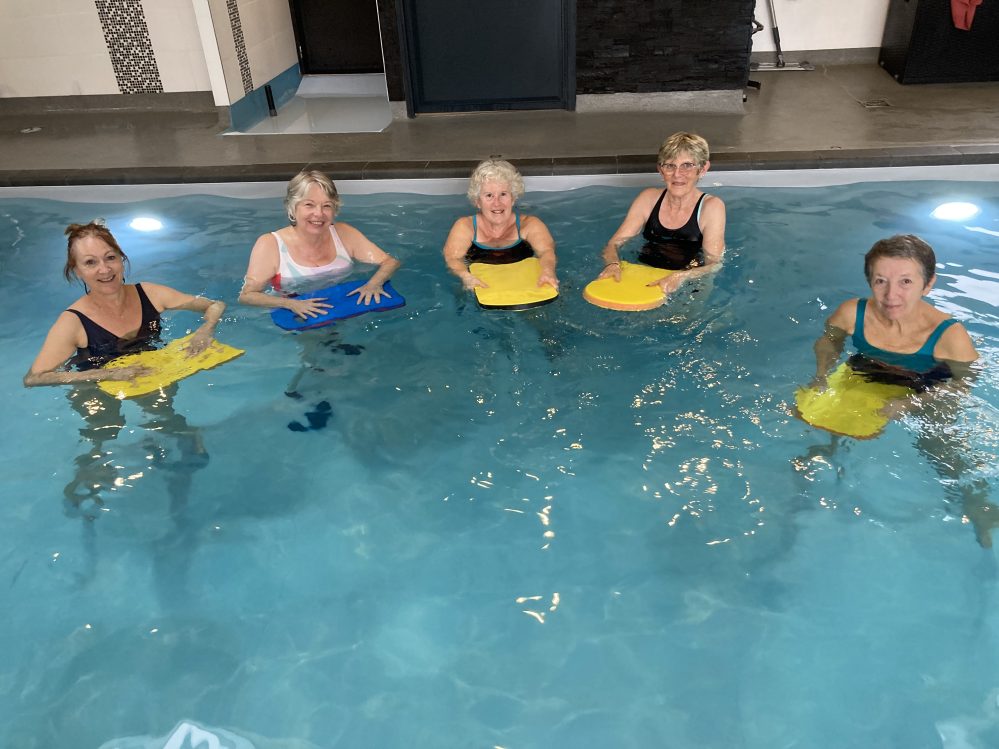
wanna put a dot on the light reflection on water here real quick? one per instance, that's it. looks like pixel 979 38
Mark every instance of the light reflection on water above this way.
pixel 565 527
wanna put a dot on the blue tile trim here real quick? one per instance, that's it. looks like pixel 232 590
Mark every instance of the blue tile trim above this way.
pixel 252 108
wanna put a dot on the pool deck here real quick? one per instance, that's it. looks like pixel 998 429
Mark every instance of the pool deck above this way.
pixel 834 116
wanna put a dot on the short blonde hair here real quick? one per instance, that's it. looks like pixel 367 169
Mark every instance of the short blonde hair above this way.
pixel 693 144
pixel 495 170
pixel 299 187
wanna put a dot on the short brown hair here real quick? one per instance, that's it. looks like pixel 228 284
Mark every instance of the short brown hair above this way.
pixel 907 246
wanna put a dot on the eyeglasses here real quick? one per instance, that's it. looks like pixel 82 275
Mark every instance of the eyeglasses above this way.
pixel 687 166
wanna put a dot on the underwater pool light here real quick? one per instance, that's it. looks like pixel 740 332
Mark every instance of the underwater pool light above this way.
pixel 146 223
pixel 955 211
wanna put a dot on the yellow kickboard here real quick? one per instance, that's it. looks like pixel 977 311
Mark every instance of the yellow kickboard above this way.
pixel 632 293
pixel 168 365
pixel 849 405
pixel 512 286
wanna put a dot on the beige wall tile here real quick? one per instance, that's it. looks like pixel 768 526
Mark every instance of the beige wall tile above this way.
pixel 173 31
pixel 49 76
pixel 183 71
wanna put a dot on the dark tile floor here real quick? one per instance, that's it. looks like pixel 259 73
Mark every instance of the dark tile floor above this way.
pixel 851 115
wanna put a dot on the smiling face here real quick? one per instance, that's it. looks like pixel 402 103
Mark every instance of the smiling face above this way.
pixel 99 265
pixel 681 172
pixel 496 202
pixel 315 212
pixel 898 286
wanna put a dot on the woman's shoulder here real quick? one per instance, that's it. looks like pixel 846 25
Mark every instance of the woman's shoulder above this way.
pixel 845 315
pixel 955 343
pixel 68 327
pixel 462 225
pixel 149 288
pixel 343 229
pixel 528 220
pixel 534 229
pixel 161 295
pixel 269 241
pixel 646 200
pixel 712 202
pixel 650 194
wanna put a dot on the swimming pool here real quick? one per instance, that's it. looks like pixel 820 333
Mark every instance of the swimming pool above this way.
pixel 565 527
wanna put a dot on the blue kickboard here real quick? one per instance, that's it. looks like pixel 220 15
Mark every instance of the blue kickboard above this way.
pixel 343 306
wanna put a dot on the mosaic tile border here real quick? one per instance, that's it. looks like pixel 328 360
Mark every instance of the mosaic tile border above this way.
pixel 240 42
pixel 127 37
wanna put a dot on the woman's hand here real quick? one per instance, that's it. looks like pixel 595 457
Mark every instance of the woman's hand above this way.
pixel 199 342
pixel 611 270
pixel 670 283
pixel 470 282
pixel 548 278
pixel 306 308
pixel 368 292
pixel 897 408
pixel 819 383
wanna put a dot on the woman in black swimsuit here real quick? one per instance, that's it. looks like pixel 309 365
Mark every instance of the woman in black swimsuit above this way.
pixel 684 229
pixel 112 319
pixel 496 234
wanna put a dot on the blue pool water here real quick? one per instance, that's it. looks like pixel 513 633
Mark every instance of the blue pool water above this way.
pixel 561 528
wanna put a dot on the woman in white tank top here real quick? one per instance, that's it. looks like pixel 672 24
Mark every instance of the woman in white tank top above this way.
pixel 312 252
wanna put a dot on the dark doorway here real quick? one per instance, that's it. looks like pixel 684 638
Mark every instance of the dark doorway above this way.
pixel 337 36
pixel 470 55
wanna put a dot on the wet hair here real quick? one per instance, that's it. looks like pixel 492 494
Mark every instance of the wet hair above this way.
pixel 299 186
pixel 906 246
pixel 693 144
pixel 494 170
pixel 75 232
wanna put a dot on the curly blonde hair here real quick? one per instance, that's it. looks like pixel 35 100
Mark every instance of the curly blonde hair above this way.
pixel 494 170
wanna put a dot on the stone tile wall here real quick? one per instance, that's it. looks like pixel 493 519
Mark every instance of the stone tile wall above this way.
pixel 638 46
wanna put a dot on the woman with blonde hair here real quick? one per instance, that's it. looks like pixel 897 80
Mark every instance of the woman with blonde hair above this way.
pixel 683 228
pixel 313 251
pixel 496 233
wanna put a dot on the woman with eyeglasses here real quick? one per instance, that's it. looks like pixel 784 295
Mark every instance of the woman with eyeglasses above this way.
pixel 683 228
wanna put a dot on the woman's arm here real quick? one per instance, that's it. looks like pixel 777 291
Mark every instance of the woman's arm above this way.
pixel 459 239
pixel 262 268
pixel 829 346
pixel 536 233
pixel 712 242
pixel 164 298
pixel 634 222
pixel 62 341
pixel 363 249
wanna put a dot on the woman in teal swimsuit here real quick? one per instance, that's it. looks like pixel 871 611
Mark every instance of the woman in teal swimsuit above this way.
pixel 497 234
pixel 896 331
pixel 902 339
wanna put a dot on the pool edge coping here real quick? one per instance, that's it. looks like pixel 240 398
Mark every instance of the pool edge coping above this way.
pixel 558 166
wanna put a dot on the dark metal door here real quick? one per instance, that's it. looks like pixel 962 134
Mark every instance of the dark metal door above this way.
pixel 337 36
pixel 464 55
